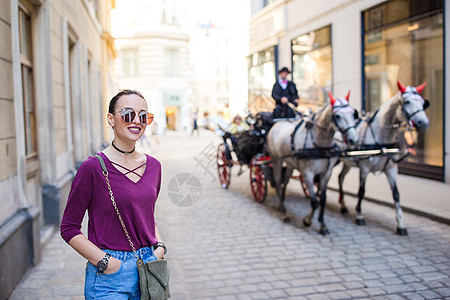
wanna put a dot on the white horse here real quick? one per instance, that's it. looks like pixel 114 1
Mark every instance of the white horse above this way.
pixel 308 146
pixel 381 130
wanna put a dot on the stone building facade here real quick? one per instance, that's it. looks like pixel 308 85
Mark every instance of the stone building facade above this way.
pixel 55 58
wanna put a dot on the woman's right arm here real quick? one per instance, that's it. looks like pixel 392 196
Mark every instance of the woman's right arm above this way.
pixel 92 253
pixel 80 198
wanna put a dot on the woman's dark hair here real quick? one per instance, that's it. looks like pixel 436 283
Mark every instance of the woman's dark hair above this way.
pixel 112 103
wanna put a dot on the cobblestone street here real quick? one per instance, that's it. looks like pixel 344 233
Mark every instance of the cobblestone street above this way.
pixel 226 246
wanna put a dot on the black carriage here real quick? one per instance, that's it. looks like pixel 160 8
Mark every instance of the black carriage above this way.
pixel 249 150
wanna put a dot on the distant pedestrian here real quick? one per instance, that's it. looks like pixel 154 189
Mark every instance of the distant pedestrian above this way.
pixel 135 181
pixel 145 139
pixel 284 92
pixel 195 125
pixel 155 133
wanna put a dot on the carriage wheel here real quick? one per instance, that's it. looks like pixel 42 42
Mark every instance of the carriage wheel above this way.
pixel 258 181
pixel 305 188
pixel 223 167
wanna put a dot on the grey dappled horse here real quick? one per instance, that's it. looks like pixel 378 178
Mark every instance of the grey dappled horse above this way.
pixel 286 138
pixel 381 129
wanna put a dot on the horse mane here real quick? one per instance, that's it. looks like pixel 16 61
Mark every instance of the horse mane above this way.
pixel 383 117
pixel 384 111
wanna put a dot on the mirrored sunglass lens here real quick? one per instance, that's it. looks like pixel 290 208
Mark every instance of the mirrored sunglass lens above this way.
pixel 143 117
pixel 128 115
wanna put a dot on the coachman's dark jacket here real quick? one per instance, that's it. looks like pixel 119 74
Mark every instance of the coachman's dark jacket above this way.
pixel 283 110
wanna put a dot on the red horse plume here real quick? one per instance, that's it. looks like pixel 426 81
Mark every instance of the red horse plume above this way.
pixel 419 88
pixel 401 88
pixel 333 101
pixel 348 96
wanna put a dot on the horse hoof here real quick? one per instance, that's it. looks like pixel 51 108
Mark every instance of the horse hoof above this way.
pixel 306 223
pixel 286 219
pixel 402 231
pixel 282 209
pixel 344 210
pixel 324 231
pixel 360 222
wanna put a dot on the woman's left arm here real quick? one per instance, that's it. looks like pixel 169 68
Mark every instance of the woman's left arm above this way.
pixel 159 252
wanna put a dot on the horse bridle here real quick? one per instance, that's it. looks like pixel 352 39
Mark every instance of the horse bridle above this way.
pixel 355 115
pixel 405 113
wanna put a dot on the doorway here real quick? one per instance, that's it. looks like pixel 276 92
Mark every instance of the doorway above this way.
pixel 171 117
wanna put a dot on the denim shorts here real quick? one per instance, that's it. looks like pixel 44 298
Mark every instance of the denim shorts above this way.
pixel 122 284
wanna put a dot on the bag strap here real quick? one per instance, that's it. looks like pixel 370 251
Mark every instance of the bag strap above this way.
pixel 102 163
pixel 105 173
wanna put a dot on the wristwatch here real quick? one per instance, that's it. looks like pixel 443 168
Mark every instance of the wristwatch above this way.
pixel 103 263
pixel 160 244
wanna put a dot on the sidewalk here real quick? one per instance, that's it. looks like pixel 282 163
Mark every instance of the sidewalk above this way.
pixel 424 197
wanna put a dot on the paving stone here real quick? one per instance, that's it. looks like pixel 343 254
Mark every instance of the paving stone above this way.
pixel 391 280
pixel 393 297
pixel 386 274
pixel 429 294
pixel 434 284
pixel 417 286
pixel 374 291
pixel 300 291
pixel 431 276
pixel 244 297
pixel 409 278
pixel 330 288
pixel 444 292
pixel 354 285
pixel 318 297
pixel 248 288
pixel 280 284
pixel 338 295
pixel 226 297
pixel 276 294
pixel 259 296
pixel 423 269
pixel 356 293
pixel 399 288
pixel 412 296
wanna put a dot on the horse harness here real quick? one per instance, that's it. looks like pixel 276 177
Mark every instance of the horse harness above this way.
pixel 383 147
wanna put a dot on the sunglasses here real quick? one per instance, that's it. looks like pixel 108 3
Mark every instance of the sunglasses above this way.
pixel 128 114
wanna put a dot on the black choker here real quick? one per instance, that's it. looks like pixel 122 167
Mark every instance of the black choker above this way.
pixel 121 151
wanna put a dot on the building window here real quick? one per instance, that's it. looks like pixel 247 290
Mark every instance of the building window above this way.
pixel 267 2
pixel 169 15
pixel 26 62
pixel 312 66
pixel 261 77
pixel 171 62
pixel 130 62
pixel 403 40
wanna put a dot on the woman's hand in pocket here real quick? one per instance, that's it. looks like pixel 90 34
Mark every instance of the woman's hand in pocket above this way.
pixel 113 266
pixel 159 252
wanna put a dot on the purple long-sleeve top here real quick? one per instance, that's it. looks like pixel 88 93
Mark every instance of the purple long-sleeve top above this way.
pixel 135 201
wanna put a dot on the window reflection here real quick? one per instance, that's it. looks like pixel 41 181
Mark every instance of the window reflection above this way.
pixel 312 66
pixel 261 74
pixel 411 52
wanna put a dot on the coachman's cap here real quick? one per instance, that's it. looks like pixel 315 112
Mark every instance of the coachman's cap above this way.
pixel 284 69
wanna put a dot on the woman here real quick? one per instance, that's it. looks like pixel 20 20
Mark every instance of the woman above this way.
pixel 238 125
pixel 135 178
